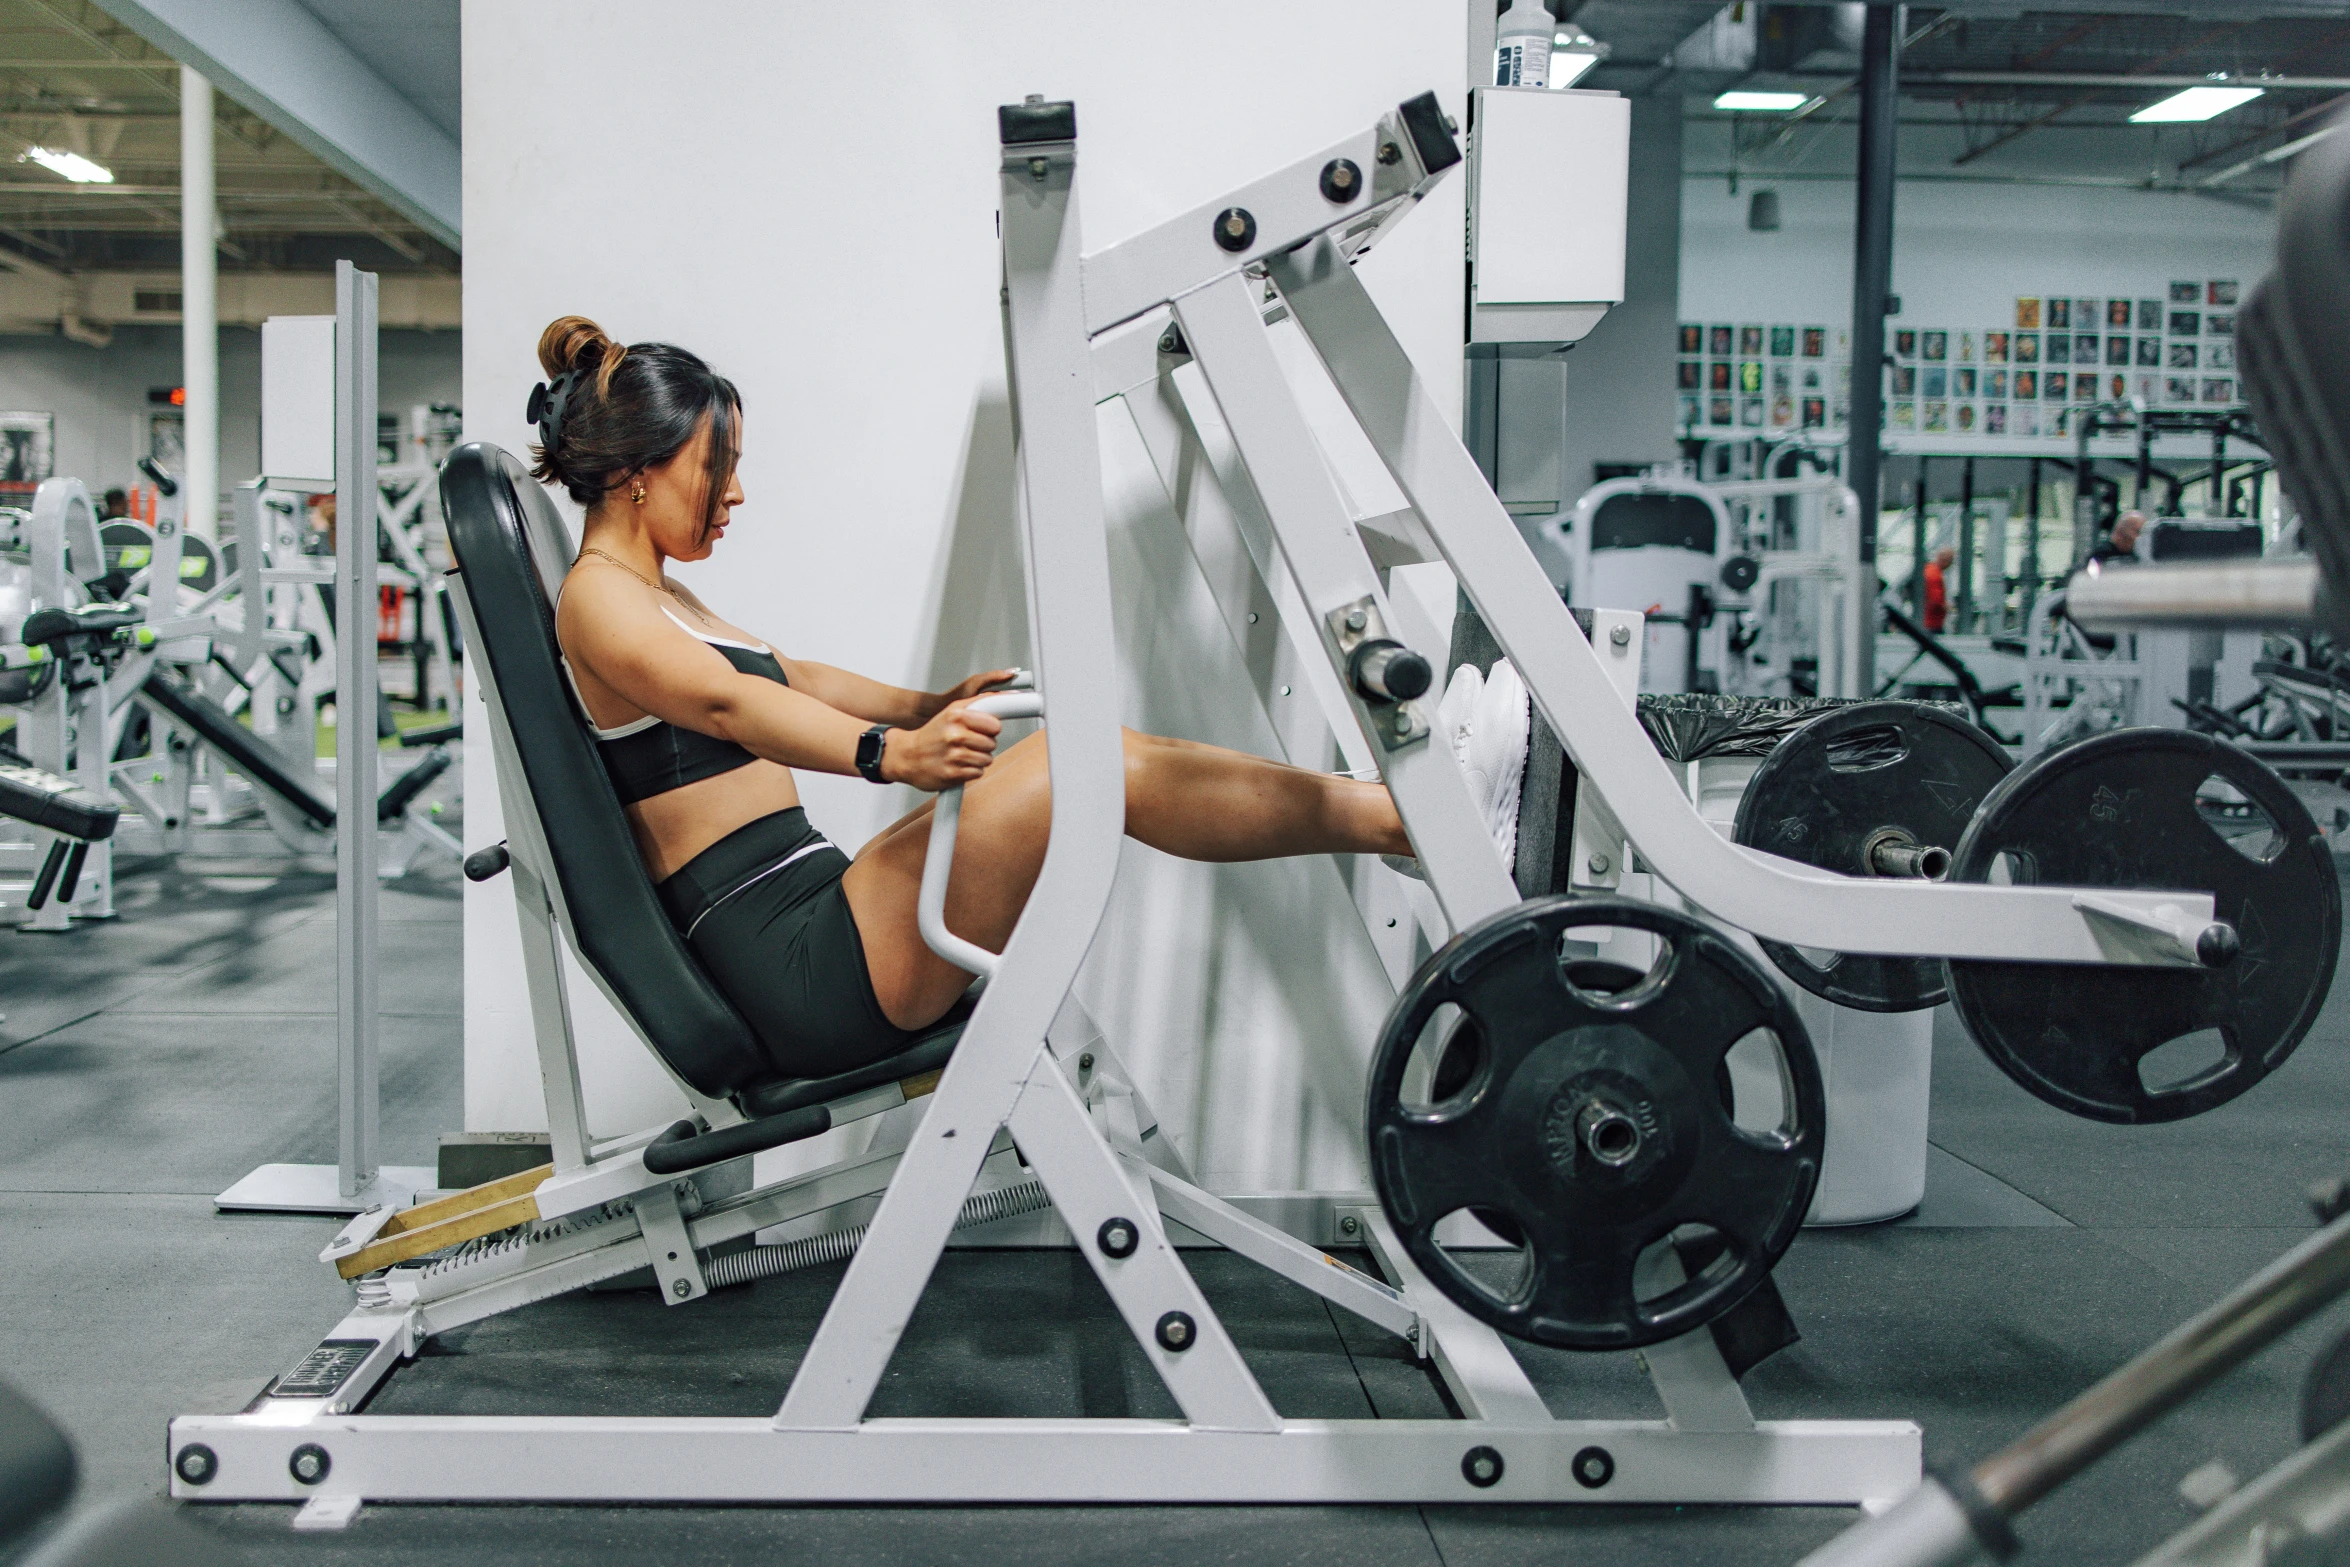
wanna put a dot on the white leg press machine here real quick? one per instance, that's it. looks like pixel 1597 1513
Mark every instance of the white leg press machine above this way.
pixel 1175 322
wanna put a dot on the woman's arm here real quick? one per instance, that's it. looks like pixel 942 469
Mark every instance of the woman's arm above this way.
pixel 860 696
pixel 619 633
pixel 879 704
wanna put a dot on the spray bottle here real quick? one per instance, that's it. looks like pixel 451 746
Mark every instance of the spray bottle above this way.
pixel 1522 55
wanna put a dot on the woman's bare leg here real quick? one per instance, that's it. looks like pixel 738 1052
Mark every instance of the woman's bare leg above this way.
pixel 1197 802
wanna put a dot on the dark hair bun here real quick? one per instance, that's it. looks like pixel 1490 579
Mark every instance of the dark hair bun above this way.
pixel 576 343
pixel 629 409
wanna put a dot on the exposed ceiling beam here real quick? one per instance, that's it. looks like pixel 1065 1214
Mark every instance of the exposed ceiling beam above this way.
pixel 2212 10
pixel 75 20
pixel 1946 177
pixel 279 61
pixel 1795 120
pixel 2148 69
pixel 2068 40
pixel 21 237
pixel 2116 79
pixel 397 241
pixel 276 227
pixel 2315 111
pixel 82 19
pixel 2261 160
pixel 62 63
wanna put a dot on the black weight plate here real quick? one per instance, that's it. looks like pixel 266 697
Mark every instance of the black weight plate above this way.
pixel 1553 1040
pixel 1835 784
pixel 2121 809
pixel 199 567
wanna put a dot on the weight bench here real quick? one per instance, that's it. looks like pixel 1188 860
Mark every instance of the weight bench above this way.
pixel 512 549
pixel 59 805
pixel 267 768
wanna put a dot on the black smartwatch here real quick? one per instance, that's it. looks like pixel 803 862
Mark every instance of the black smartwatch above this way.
pixel 869 746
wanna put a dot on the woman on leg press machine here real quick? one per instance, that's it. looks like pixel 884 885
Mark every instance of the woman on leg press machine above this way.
pixel 700 724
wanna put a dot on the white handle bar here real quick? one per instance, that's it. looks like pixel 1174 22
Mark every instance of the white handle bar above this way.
pixel 939 864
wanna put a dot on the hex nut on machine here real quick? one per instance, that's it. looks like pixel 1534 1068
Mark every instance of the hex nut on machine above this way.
pixel 1118 1237
pixel 196 1464
pixel 309 1463
pixel 1177 1332
pixel 1593 1467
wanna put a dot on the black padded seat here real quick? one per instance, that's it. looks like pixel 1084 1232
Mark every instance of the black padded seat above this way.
pixel 512 550
pixel 928 1053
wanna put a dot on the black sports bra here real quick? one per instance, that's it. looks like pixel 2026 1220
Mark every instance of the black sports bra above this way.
pixel 652 756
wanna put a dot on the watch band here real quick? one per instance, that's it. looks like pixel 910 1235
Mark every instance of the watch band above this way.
pixel 869 747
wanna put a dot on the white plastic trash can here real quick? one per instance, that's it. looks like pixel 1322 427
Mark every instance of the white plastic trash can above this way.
pixel 1877 1067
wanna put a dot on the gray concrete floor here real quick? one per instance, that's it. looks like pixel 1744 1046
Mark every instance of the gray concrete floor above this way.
pixel 146 1064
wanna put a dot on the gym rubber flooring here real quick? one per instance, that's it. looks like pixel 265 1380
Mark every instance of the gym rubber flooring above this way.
pixel 146 1064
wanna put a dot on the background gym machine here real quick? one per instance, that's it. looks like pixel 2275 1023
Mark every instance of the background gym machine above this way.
pixel 2294 341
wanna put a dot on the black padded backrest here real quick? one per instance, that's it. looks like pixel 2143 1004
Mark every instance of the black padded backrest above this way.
pixel 512 548
pixel 1633 519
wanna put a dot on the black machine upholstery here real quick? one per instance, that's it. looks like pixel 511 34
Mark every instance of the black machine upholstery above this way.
pixel 928 1052
pixel 512 550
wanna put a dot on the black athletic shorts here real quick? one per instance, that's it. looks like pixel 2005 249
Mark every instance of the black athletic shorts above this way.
pixel 764 911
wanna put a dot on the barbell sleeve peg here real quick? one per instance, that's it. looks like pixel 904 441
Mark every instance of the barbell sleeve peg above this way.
pixel 1384 670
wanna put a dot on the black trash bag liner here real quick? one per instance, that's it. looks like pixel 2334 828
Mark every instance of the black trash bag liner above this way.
pixel 1686 726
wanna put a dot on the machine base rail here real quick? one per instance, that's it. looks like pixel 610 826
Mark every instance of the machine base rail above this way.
pixel 481 1458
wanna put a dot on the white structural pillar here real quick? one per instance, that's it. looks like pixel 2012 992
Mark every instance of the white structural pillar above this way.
pixel 199 307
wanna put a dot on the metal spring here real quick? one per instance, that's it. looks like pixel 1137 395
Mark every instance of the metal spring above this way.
pixel 486 1248
pixel 762 1262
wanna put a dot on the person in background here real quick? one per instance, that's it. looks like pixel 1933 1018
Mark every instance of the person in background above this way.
pixel 2122 543
pixel 322 517
pixel 117 504
pixel 1936 613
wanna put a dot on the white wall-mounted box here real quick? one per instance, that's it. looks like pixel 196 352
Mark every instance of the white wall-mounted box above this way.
pixel 298 400
pixel 1547 180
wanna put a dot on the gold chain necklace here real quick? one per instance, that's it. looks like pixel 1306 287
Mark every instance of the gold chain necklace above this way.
pixel 647 581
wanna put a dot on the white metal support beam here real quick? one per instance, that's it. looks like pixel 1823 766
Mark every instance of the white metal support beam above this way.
pixel 1770 897
pixel 281 62
pixel 1067 553
pixel 1325 559
pixel 199 314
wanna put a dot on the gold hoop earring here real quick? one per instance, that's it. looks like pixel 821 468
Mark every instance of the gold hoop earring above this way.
pixel 637 495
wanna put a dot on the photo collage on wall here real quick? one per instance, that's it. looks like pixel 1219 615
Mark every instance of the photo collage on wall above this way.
pixel 1763 377
pixel 2022 379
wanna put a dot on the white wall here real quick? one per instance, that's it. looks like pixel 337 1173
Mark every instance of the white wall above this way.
pixel 806 196
pixel 1619 380
pixel 99 395
pixel 1961 253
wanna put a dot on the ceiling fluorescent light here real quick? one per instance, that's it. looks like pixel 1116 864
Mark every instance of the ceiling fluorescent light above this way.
pixel 1572 53
pixel 1762 102
pixel 2196 103
pixel 72 165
